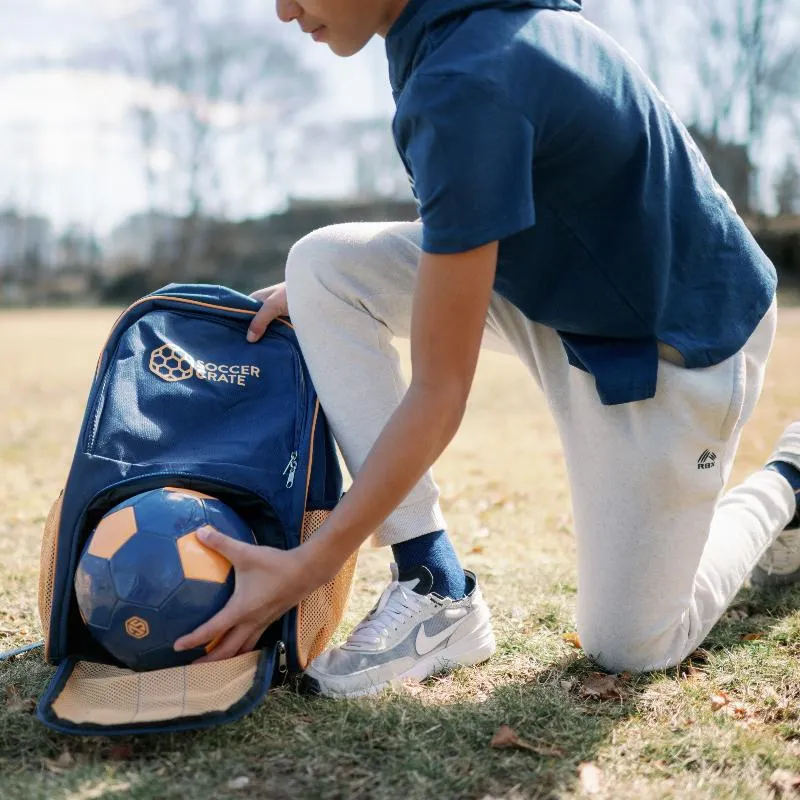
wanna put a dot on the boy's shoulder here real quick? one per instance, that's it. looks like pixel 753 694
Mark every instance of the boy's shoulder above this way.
pixel 527 55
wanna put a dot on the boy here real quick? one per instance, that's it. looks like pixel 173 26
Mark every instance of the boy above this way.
pixel 567 217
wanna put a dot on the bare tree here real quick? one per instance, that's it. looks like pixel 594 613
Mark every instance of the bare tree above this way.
pixel 745 62
pixel 787 189
pixel 365 145
pixel 218 78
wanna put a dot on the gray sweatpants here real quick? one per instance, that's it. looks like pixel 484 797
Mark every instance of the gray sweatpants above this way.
pixel 661 553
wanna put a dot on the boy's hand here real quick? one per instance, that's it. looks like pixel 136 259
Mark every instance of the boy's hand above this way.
pixel 274 305
pixel 268 583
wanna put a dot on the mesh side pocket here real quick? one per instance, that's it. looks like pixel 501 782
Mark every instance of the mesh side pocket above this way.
pixel 320 613
pixel 47 568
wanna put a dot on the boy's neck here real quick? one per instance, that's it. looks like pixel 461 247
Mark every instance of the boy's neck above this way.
pixel 394 8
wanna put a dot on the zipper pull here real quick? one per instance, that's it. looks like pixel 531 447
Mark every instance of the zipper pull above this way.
pixel 282 666
pixel 291 468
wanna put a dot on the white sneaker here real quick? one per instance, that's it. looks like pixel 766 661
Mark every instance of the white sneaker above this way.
pixel 411 633
pixel 780 565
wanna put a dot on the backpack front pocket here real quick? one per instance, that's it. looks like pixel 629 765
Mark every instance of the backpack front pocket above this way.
pixel 188 388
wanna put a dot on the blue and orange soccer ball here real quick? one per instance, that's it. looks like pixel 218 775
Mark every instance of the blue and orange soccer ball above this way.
pixel 144 579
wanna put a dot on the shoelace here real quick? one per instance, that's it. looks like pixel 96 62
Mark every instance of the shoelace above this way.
pixel 784 555
pixel 395 605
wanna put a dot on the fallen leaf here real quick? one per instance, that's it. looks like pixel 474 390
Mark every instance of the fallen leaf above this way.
pixel 700 655
pixel 719 700
pixel 603 687
pixel 103 789
pixel 735 614
pixel 751 637
pixel 409 686
pixel 739 710
pixel 784 782
pixel 505 737
pixel 16 703
pixel 572 638
pixel 25 706
pixel 121 752
pixel 238 783
pixel 590 776
pixel 478 548
pixel 60 765
pixel 692 673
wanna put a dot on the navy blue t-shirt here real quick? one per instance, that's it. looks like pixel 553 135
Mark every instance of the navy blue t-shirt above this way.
pixel 520 121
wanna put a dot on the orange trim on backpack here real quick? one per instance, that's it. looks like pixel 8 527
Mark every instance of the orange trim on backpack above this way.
pixel 283 320
pixel 311 453
pixel 305 505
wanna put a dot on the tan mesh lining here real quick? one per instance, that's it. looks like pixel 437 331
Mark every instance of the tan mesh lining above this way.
pixel 100 694
pixel 47 568
pixel 319 614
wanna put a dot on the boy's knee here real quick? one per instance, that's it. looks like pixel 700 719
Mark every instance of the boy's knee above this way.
pixel 628 649
pixel 314 260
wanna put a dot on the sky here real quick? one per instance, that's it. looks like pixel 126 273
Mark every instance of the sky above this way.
pixel 69 149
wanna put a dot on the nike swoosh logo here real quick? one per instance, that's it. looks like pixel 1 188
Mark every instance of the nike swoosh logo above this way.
pixel 425 643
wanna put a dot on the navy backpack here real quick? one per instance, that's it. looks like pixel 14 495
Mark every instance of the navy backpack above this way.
pixel 180 399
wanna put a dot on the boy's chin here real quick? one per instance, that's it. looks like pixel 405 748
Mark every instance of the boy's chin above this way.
pixel 346 49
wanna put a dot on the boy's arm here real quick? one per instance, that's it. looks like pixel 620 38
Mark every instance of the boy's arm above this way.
pixel 450 304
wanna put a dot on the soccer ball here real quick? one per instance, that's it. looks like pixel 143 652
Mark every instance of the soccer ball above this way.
pixel 144 579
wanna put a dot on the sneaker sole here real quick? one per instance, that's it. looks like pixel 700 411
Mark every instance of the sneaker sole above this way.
pixel 464 653
pixel 761 577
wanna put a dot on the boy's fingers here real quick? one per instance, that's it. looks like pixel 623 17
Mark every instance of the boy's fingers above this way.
pixel 229 646
pixel 227 546
pixel 252 641
pixel 261 320
pixel 207 632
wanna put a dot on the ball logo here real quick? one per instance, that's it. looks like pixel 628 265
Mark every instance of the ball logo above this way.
pixel 171 363
pixel 137 627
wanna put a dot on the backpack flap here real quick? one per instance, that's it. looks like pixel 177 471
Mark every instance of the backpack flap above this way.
pixel 90 698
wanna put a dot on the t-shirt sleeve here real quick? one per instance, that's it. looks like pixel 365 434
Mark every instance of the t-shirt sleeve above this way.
pixel 470 155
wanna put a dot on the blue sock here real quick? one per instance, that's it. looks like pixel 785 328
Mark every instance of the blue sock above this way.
pixel 434 551
pixel 792 475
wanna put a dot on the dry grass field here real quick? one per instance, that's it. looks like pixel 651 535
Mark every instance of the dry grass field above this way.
pixel 725 726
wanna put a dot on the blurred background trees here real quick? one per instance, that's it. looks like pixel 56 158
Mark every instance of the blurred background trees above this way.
pixel 143 141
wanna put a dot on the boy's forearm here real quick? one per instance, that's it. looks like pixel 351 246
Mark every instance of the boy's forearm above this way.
pixel 416 434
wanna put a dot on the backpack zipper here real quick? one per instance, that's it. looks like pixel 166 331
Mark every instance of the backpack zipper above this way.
pixel 291 468
pixel 283 667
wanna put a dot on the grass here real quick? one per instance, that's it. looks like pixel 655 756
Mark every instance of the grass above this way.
pixel 507 500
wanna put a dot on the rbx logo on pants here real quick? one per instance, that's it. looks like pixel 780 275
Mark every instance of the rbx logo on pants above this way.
pixel 708 459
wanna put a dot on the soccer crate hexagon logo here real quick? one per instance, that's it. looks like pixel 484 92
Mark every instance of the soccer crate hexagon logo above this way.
pixel 137 627
pixel 171 363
